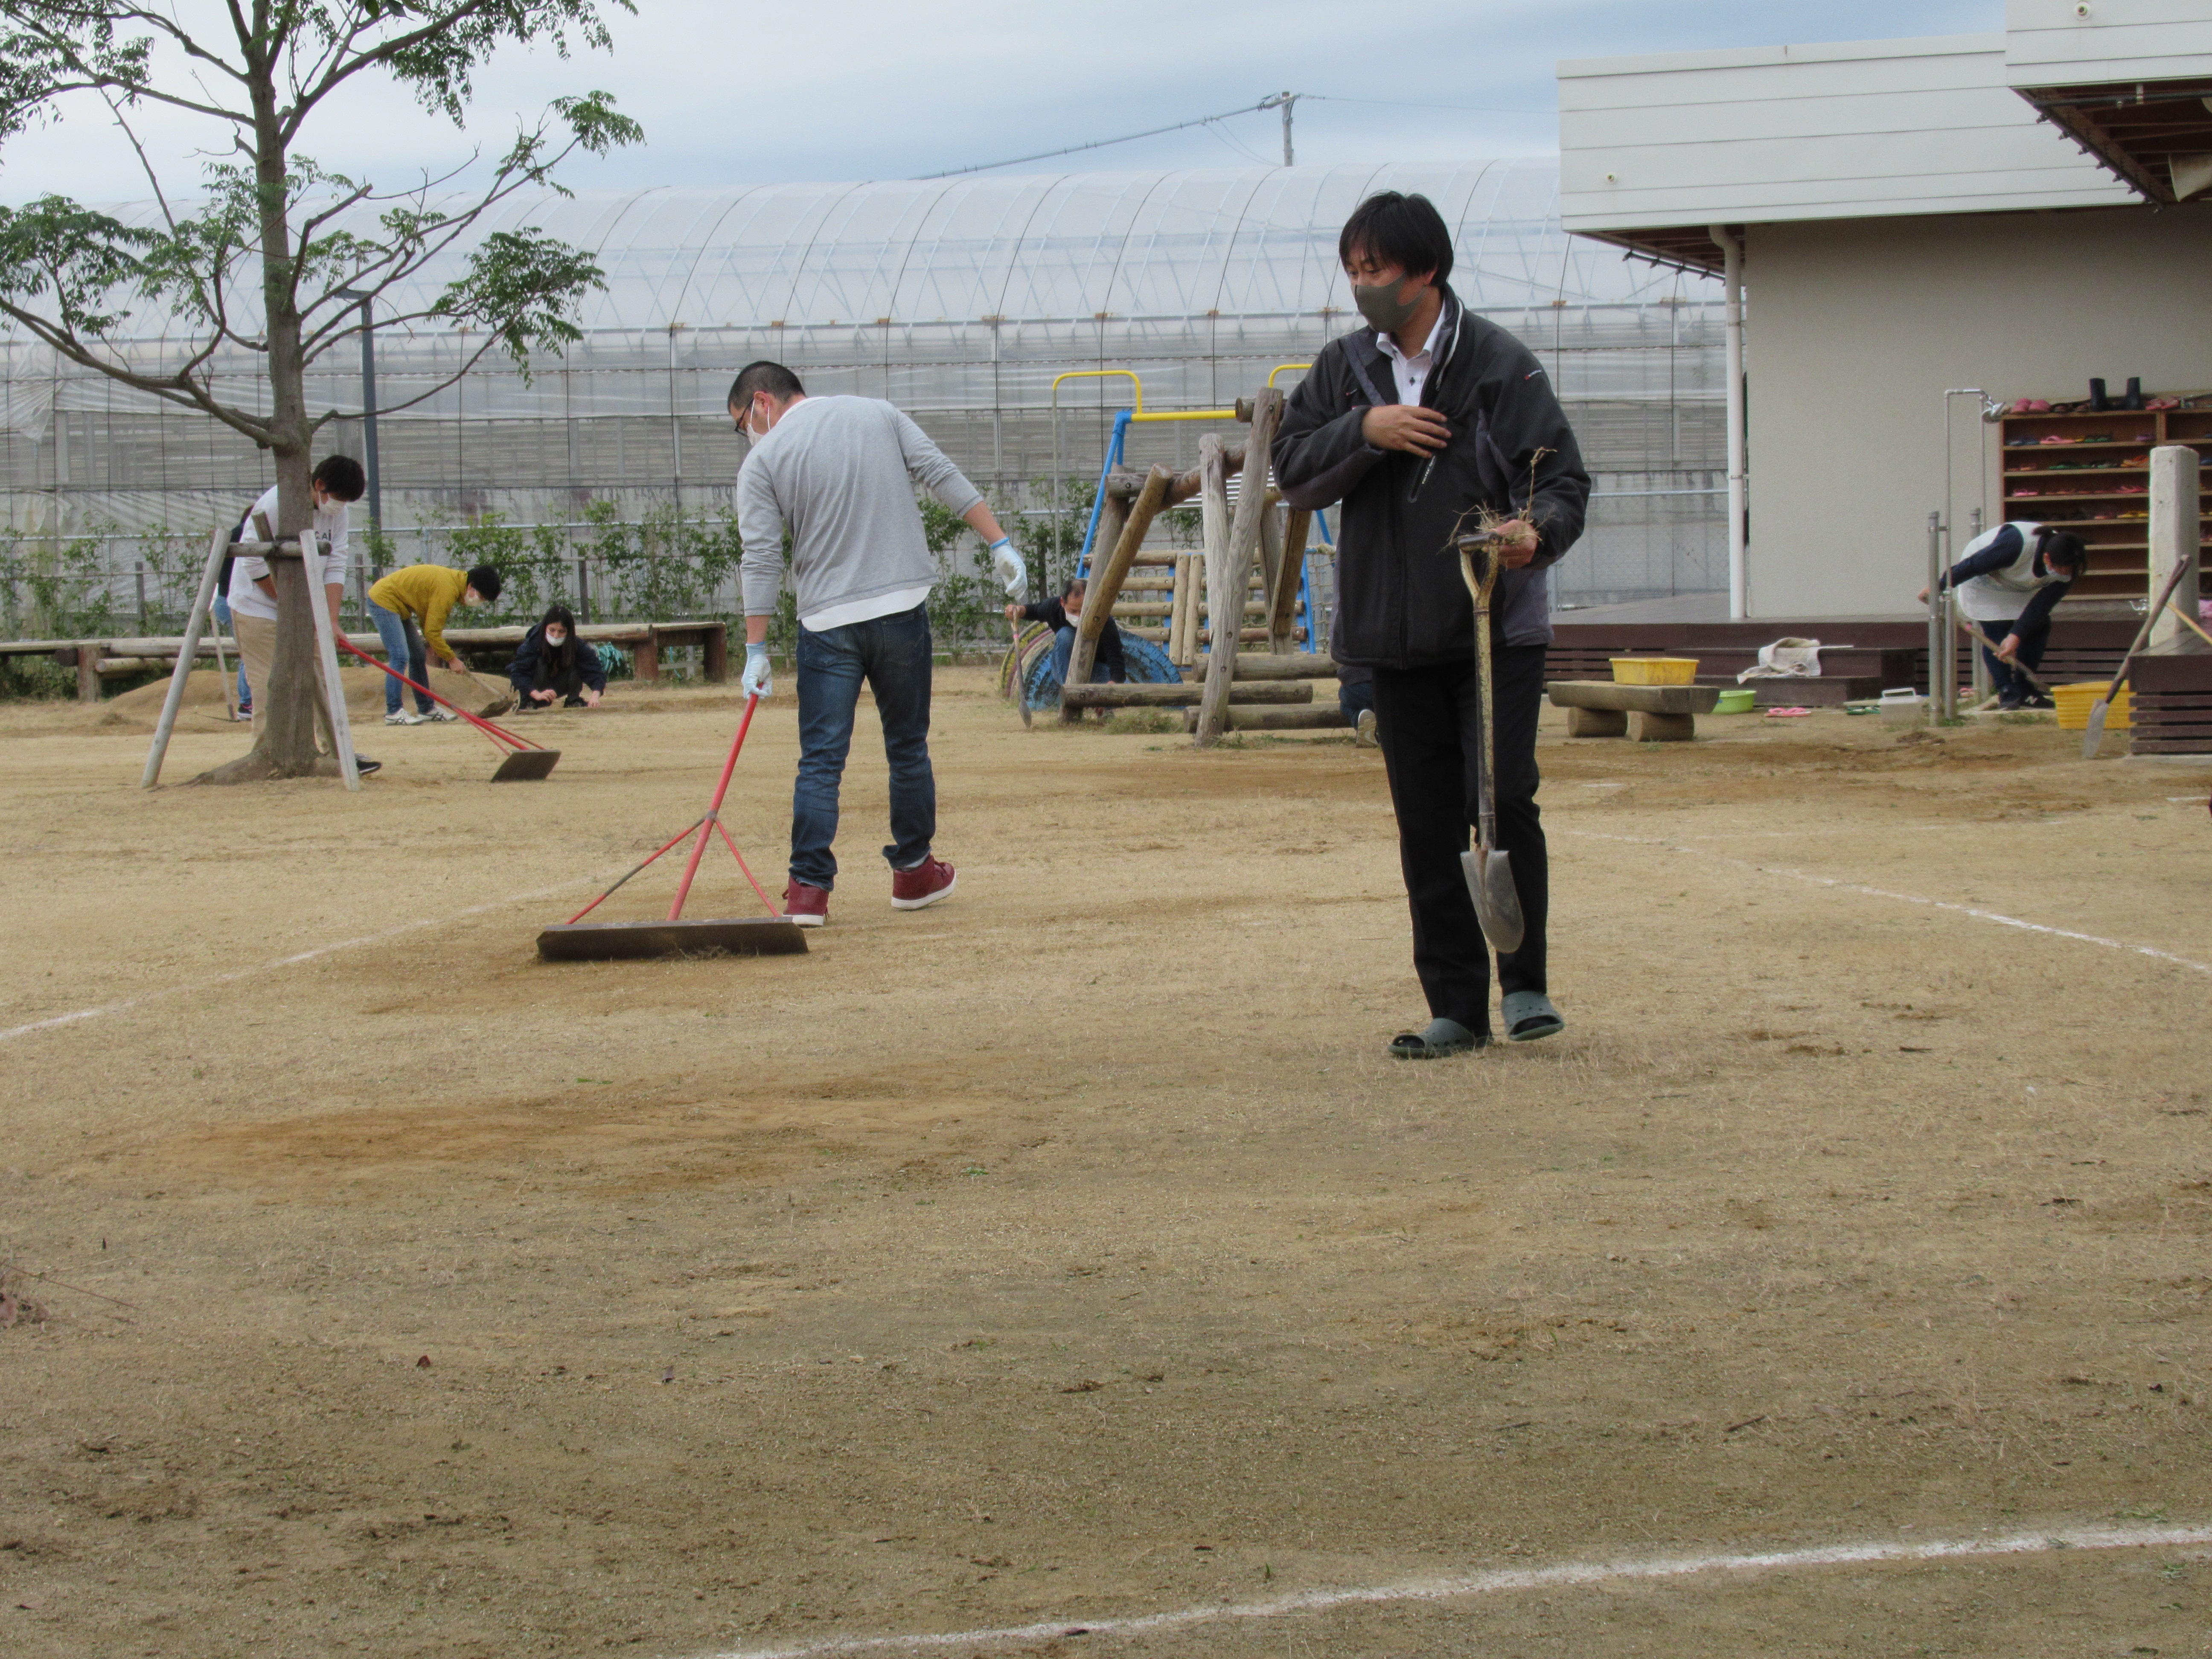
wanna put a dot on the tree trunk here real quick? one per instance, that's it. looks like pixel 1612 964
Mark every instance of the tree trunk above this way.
pixel 285 745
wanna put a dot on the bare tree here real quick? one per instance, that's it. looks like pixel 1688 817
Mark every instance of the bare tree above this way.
pixel 266 217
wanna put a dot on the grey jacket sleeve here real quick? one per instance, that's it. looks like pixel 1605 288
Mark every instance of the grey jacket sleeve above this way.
pixel 760 533
pixel 927 464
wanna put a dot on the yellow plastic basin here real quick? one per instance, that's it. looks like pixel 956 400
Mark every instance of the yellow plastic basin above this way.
pixel 2075 702
pixel 1655 670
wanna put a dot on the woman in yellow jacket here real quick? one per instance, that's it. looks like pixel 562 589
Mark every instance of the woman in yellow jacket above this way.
pixel 409 607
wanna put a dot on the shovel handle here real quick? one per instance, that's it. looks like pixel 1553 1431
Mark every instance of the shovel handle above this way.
pixel 2150 616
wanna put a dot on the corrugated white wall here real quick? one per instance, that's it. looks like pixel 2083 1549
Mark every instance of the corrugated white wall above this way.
pixel 2073 43
pixel 1826 131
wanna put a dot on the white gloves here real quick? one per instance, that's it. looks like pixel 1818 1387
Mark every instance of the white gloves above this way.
pixel 754 680
pixel 1007 566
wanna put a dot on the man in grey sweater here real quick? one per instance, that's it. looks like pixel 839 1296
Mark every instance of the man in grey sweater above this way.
pixel 839 475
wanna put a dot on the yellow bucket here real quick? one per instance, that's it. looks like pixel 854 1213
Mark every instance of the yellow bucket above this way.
pixel 1655 670
pixel 2075 702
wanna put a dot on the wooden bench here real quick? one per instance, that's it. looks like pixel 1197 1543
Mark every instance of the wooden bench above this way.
pixel 1602 708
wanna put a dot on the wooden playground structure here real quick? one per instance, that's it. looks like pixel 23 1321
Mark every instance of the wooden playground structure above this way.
pixel 1250 565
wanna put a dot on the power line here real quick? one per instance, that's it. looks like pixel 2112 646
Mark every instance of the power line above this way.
pixel 1284 101
pixel 1102 143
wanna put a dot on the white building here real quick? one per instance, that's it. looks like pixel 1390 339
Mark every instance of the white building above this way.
pixel 2016 213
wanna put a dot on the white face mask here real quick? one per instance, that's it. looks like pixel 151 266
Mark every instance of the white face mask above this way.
pixel 763 431
pixel 553 638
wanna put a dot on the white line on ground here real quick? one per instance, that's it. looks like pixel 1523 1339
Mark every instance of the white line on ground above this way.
pixel 1996 916
pixel 1568 1575
pixel 79 1014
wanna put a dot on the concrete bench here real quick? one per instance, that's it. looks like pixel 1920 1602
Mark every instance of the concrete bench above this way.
pixel 1602 708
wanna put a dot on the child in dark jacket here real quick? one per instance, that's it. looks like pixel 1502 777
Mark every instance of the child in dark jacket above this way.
pixel 552 662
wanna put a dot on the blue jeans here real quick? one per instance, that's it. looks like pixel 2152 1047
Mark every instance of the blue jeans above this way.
pixel 404 650
pixel 892 653
pixel 1063 652
pixel 220 611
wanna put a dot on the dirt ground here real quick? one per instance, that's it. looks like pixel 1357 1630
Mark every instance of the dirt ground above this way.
pixel 1072 1250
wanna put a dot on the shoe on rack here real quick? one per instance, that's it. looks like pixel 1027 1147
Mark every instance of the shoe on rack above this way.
pixel 442 713
pixel 927 883
pixel 805 905
pixel 401 717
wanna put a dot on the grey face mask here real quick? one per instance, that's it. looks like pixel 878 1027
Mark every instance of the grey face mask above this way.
pixel 1379 304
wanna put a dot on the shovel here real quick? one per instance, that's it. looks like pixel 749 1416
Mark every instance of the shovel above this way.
pixel 526 764
pixel 771 935
pixel 2103 706
pixel 1489 871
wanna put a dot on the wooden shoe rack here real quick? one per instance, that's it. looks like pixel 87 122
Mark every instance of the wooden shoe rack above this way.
pixel 2089 472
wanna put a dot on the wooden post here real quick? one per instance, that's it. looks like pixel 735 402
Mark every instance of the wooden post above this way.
pixel 2174 507
pixel 1234 573
pixel 716 651
pixel 1271 563
pixel 326 651
pixel 88 654
pixel 1105 585
pixel 1179 623
pixel 1282 616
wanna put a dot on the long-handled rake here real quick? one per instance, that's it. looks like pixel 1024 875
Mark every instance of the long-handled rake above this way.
pixel 2103 706
pixel 526 764
pixel 771 935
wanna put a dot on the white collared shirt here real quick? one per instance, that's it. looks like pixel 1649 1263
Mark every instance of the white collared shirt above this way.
pixel 1412 373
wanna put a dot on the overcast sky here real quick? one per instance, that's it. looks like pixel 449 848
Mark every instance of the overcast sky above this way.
pixel 731 92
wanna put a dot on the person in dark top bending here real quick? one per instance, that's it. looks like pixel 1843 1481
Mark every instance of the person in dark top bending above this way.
pixel 552 662
pixel 2009 581
pixel 1063 616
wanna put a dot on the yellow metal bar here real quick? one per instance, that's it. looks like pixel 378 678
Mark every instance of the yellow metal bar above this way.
pixel 1283 368
pixel 1189 415
pixel 1129 375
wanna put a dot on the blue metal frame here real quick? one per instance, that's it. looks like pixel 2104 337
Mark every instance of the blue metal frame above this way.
pixel 1113 449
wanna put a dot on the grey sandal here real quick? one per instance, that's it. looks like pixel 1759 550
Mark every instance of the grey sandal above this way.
pixel 1529 1017
pixel 1442 1037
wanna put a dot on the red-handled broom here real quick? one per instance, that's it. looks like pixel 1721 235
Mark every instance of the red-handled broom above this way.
pixel 771 935
pixel 526 762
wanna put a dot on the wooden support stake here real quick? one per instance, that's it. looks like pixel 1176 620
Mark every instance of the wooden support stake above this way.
pixel 327 652
pixel 187 648
pixel 1233 573
pixel 1105 586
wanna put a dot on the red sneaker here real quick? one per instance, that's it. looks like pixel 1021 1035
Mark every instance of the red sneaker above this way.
pixel 808 906
pixel 927 883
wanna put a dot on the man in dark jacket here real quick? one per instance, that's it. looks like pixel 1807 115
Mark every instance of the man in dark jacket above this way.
pixel 1418 423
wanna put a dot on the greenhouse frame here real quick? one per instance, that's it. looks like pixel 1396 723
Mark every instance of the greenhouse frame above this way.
pixel 965 301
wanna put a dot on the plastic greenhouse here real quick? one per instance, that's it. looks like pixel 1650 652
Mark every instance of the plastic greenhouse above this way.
pixel 960 301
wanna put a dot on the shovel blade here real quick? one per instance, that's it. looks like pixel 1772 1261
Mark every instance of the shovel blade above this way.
pixel 630 941
pixel 2095 734
pixel 1497 905
pixel 525 764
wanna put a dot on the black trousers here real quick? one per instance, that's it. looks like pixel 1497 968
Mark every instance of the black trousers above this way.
pixel 1426 721
pixel 2011 685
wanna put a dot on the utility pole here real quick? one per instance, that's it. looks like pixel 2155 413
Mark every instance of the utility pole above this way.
pixel 1284 101
pixel 368 406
